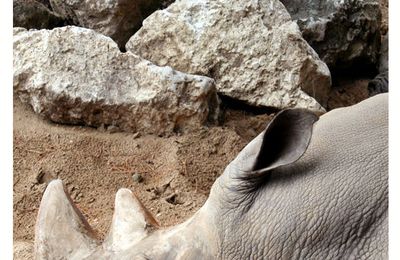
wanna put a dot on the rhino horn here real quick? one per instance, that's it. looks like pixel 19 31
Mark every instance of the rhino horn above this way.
pixel 61 230
pixel 131 222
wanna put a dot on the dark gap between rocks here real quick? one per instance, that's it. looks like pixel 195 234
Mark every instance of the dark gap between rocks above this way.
pixel 234 104
pixel 359 70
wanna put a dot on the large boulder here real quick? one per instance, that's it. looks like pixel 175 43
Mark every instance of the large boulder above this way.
pixel 31 14
pixel 252 49
pixel 343 32
pixel 76 76
pixel 118 19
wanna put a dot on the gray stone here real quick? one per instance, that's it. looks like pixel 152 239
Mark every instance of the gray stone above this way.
pixel 342 32
pixel 137 177
pixel 384 54
pixel 380 84
pixel 77 76
pixel 252 49
pixel 31 14
pixel 118 19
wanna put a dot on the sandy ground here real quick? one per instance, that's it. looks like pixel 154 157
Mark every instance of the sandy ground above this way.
pixel 346 92
pixel 177 171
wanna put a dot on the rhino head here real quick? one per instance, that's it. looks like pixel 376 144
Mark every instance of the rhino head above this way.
pixel 275 200
pixel 63 232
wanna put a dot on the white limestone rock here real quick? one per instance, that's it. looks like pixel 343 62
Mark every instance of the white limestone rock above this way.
pixel 74 75
pixel 252 49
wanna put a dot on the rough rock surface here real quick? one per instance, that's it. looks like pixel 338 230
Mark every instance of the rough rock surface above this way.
pixel 384 6
pixel 342 32
pixel 252 49
pixel 380 84
pixel 74 75
pixel 45 3
pixel 31 14
pixel 118 19
pixel 384 54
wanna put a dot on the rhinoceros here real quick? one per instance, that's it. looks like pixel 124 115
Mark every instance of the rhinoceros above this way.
pixel 305 188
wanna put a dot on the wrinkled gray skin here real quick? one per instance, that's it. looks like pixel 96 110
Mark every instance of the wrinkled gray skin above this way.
pixel 302 189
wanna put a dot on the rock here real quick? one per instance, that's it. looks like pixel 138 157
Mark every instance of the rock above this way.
pixel 252 49
pixel 18 30
pixel 118 19
pixel 137 177
pixel 166 3
pixel 380 84
pixel 31 14
pixel 173 199
pixel 74 75
pixel 342 32
pixel 113 129
pixel 45 3
pixel 136 135
pixel 384 54
pixel 384 6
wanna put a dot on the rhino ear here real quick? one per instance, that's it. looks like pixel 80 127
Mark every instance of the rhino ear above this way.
pixel 285 139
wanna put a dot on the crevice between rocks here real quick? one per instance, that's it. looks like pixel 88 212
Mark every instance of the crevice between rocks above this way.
pixel 234 104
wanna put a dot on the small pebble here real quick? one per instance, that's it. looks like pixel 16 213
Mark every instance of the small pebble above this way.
pixel 71 189
pixel 137 177
pixel 101 128
pixel 136 135
pixel 113 129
